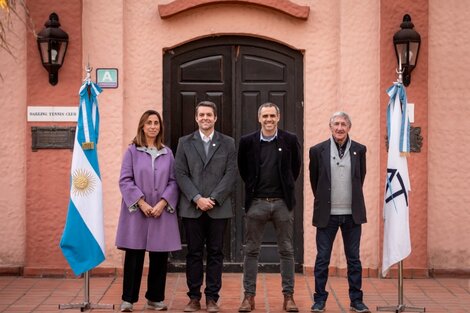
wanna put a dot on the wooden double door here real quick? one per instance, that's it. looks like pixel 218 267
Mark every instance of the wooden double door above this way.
pixel 238 74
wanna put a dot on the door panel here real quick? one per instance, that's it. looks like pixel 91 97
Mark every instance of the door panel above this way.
pixel 197 75
pixel 203 70
pixel 238 74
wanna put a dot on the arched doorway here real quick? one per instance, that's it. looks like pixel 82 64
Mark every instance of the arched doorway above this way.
pixel 238 74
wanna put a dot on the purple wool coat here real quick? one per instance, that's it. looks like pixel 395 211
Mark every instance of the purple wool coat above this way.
pixel 137 180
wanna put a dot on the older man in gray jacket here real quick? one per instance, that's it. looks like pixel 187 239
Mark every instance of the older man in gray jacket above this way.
pixel 206 170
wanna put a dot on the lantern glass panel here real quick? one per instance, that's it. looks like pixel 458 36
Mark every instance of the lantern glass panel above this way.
pixel 62 49
pixel 414 46
pixel 57 51
pixel 44 46
pixel 402 54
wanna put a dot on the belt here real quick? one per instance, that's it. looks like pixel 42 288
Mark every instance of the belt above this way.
pixel 269 199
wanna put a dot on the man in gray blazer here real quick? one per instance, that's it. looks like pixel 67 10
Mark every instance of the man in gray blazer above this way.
pixel 206 170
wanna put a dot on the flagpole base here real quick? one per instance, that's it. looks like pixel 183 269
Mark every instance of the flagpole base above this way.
pixel 86 306
pixel 400 308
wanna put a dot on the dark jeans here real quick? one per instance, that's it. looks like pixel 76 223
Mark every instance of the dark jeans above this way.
pixel 208 231
pixel 351 239
pixel 156 280
pixel 258 215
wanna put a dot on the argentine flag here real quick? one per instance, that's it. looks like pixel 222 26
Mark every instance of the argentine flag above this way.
pixel 397 243
pixel 82 241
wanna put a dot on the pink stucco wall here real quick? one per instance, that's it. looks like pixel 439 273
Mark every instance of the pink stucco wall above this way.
pixel 12 147
pixel 417 92
pixel 348 64
pixel 341 74
pixel 48 170
pixel 449 166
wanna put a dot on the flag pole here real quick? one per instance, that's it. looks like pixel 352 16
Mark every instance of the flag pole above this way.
pixel 400 307
pixel 86 304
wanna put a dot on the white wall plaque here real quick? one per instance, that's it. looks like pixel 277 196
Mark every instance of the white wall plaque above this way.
pixel 52 114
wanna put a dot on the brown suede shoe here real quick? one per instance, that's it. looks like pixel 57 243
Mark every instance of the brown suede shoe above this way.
pixel 248 304
pixel 211 306
pixel 192 306
pixel 289 304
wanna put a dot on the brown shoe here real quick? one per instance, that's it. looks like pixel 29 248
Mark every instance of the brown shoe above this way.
pixel 289 304
pixel 211 306
pixel 248 304
pixel 192 306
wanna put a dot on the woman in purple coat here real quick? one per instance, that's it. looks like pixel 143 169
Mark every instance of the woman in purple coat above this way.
pixel 148 221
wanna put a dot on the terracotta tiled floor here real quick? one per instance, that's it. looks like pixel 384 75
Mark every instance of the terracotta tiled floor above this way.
pixel 19 294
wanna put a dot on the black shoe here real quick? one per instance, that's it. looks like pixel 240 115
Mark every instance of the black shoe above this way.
pixel 360 307
pixel 318 306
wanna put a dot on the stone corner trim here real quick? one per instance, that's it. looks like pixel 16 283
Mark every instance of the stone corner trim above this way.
pixel 284 6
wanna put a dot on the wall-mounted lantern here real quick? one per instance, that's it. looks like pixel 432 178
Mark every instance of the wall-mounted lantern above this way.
pixel 406 42
pixel 52 45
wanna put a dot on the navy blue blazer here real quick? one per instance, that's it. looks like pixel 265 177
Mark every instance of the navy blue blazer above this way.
pixel 320 180
pixel 289 164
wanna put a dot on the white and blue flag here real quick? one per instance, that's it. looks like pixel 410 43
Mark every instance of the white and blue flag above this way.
pixel 397 243
pixel 82 241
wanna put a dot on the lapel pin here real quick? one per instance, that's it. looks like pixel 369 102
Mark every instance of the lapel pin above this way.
pixel 354 152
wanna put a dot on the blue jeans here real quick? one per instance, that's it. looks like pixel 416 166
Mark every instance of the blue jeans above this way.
pixel 258 215
pixel 351 239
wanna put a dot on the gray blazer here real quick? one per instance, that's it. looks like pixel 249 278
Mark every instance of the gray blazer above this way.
pixel 212 176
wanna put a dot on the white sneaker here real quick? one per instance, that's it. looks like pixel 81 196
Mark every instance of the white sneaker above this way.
pixel 126 306
pixel 157 306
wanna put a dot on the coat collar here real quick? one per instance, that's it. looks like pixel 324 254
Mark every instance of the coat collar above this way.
pixel 326 155
pixel 199 146
pixel 354 155
pixel 163 150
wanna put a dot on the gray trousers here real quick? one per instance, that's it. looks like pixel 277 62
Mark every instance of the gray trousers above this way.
pixel 261 212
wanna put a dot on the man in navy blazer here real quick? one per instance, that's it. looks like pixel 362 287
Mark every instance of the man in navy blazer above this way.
pixel 269 162
pixel 206 171
pixel 337 172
